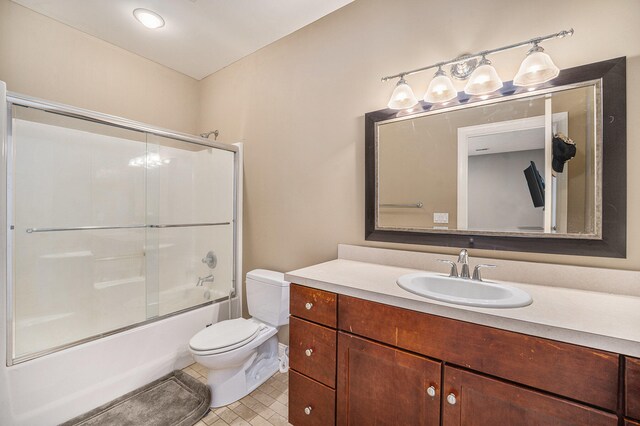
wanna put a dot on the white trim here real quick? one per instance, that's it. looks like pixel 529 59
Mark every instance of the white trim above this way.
pixel 549 199
pixel 5 391
pixel 239 170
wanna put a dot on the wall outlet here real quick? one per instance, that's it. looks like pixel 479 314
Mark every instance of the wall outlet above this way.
pixel 441 218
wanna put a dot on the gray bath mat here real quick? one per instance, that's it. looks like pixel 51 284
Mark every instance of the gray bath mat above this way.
pixel 176 399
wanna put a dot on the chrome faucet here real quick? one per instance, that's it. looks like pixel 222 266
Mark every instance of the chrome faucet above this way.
pixel 463 258
pixel 208 279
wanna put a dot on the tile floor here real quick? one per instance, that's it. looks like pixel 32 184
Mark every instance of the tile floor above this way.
pixel 265 406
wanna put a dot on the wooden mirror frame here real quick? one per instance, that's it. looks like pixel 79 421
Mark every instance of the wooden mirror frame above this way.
pixel 612 74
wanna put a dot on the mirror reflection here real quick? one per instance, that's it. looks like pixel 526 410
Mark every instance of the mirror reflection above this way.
pixel 527 165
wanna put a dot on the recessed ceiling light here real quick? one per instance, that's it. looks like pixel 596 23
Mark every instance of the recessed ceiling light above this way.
pixel 148 18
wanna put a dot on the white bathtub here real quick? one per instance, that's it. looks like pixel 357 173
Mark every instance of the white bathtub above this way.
pixel 54 388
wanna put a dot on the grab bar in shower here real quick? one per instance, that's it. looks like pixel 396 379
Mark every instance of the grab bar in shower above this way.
pixel 93 228
pixel 417 205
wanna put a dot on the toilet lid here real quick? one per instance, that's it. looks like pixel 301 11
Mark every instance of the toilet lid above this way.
pixel 224 334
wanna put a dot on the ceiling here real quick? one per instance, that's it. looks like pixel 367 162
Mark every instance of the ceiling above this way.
pixel 200 36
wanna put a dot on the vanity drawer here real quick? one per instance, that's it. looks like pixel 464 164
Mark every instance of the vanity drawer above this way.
pixel 310 403
pixel 314 305
pixel 632 387
pixel 580 373
pixel 312 351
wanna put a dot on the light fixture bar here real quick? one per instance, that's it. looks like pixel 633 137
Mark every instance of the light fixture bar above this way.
pixel 536 40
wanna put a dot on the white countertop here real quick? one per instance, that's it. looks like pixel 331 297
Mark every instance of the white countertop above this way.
pixel 589 318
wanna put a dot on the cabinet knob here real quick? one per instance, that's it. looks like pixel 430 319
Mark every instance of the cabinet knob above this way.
pixel 431 391
pixel 308 352
pixel 307 410
pixel 308 305
pixel 451 399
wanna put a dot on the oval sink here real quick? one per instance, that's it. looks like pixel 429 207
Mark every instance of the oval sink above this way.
pixel 464 291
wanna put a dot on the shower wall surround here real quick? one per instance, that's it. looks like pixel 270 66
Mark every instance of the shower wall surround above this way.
pixel 108 226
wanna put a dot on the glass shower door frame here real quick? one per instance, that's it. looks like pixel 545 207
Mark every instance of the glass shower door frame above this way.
pixel 7 101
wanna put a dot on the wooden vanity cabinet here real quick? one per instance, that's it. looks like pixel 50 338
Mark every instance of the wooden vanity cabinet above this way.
pixel 474 399
pixel 579 373
pixel 632 388
pixel 381 385
pixel 312 356
pixel 380 364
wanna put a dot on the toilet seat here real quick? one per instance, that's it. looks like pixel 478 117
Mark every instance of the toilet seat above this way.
pixel 225 336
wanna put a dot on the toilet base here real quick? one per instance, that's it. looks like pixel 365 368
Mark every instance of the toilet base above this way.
pixel 232 384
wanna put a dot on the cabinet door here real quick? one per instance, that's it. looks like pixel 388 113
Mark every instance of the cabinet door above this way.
pixel 632 387
pixel 381 385
pixel 472 399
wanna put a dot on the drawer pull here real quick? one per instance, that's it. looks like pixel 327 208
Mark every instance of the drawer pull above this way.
pixel 307 410
pixel 431 391
pixel 308 305
pixel 451 399
pixel 308 352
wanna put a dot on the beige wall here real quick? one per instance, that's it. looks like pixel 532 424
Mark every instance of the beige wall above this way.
pixel 43 58
pixel 298 104
pixel 417 161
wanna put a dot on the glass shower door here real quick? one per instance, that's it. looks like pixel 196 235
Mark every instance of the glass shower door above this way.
pixel 190 212
pixel 110 227
pixel 78 229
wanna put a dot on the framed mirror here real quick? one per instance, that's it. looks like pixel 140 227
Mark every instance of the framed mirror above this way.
pixel 540 170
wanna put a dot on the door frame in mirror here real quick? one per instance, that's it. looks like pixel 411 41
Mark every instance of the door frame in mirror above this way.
pixel 613 243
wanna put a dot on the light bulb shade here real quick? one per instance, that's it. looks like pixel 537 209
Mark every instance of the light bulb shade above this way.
pixel 402 96
pixel 148 18
pixel 536 68
pixel 483 80
pixel 440 89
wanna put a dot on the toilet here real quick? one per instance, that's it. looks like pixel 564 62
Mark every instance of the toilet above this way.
pixel 240 353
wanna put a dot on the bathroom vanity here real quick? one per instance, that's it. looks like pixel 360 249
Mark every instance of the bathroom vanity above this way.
pixel 369 353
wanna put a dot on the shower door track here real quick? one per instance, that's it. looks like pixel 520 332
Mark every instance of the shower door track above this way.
pixel 7 167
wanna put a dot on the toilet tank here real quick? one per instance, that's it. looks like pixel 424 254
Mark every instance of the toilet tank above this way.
pixel 268 296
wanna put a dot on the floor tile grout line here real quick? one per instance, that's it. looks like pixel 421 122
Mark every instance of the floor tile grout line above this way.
pixel 266 390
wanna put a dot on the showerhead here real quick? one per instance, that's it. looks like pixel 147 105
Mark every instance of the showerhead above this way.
pixel 206 135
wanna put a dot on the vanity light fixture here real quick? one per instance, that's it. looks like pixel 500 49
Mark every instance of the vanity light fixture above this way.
pixel 402 96
pixel 440 89
pixel 148 18
pixel 536 68
pixel 483 80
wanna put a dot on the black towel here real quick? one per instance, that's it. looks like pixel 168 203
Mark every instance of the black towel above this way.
pixel 564 149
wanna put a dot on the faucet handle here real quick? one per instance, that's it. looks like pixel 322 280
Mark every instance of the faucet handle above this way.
pixel 476 271
pixel 454 268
